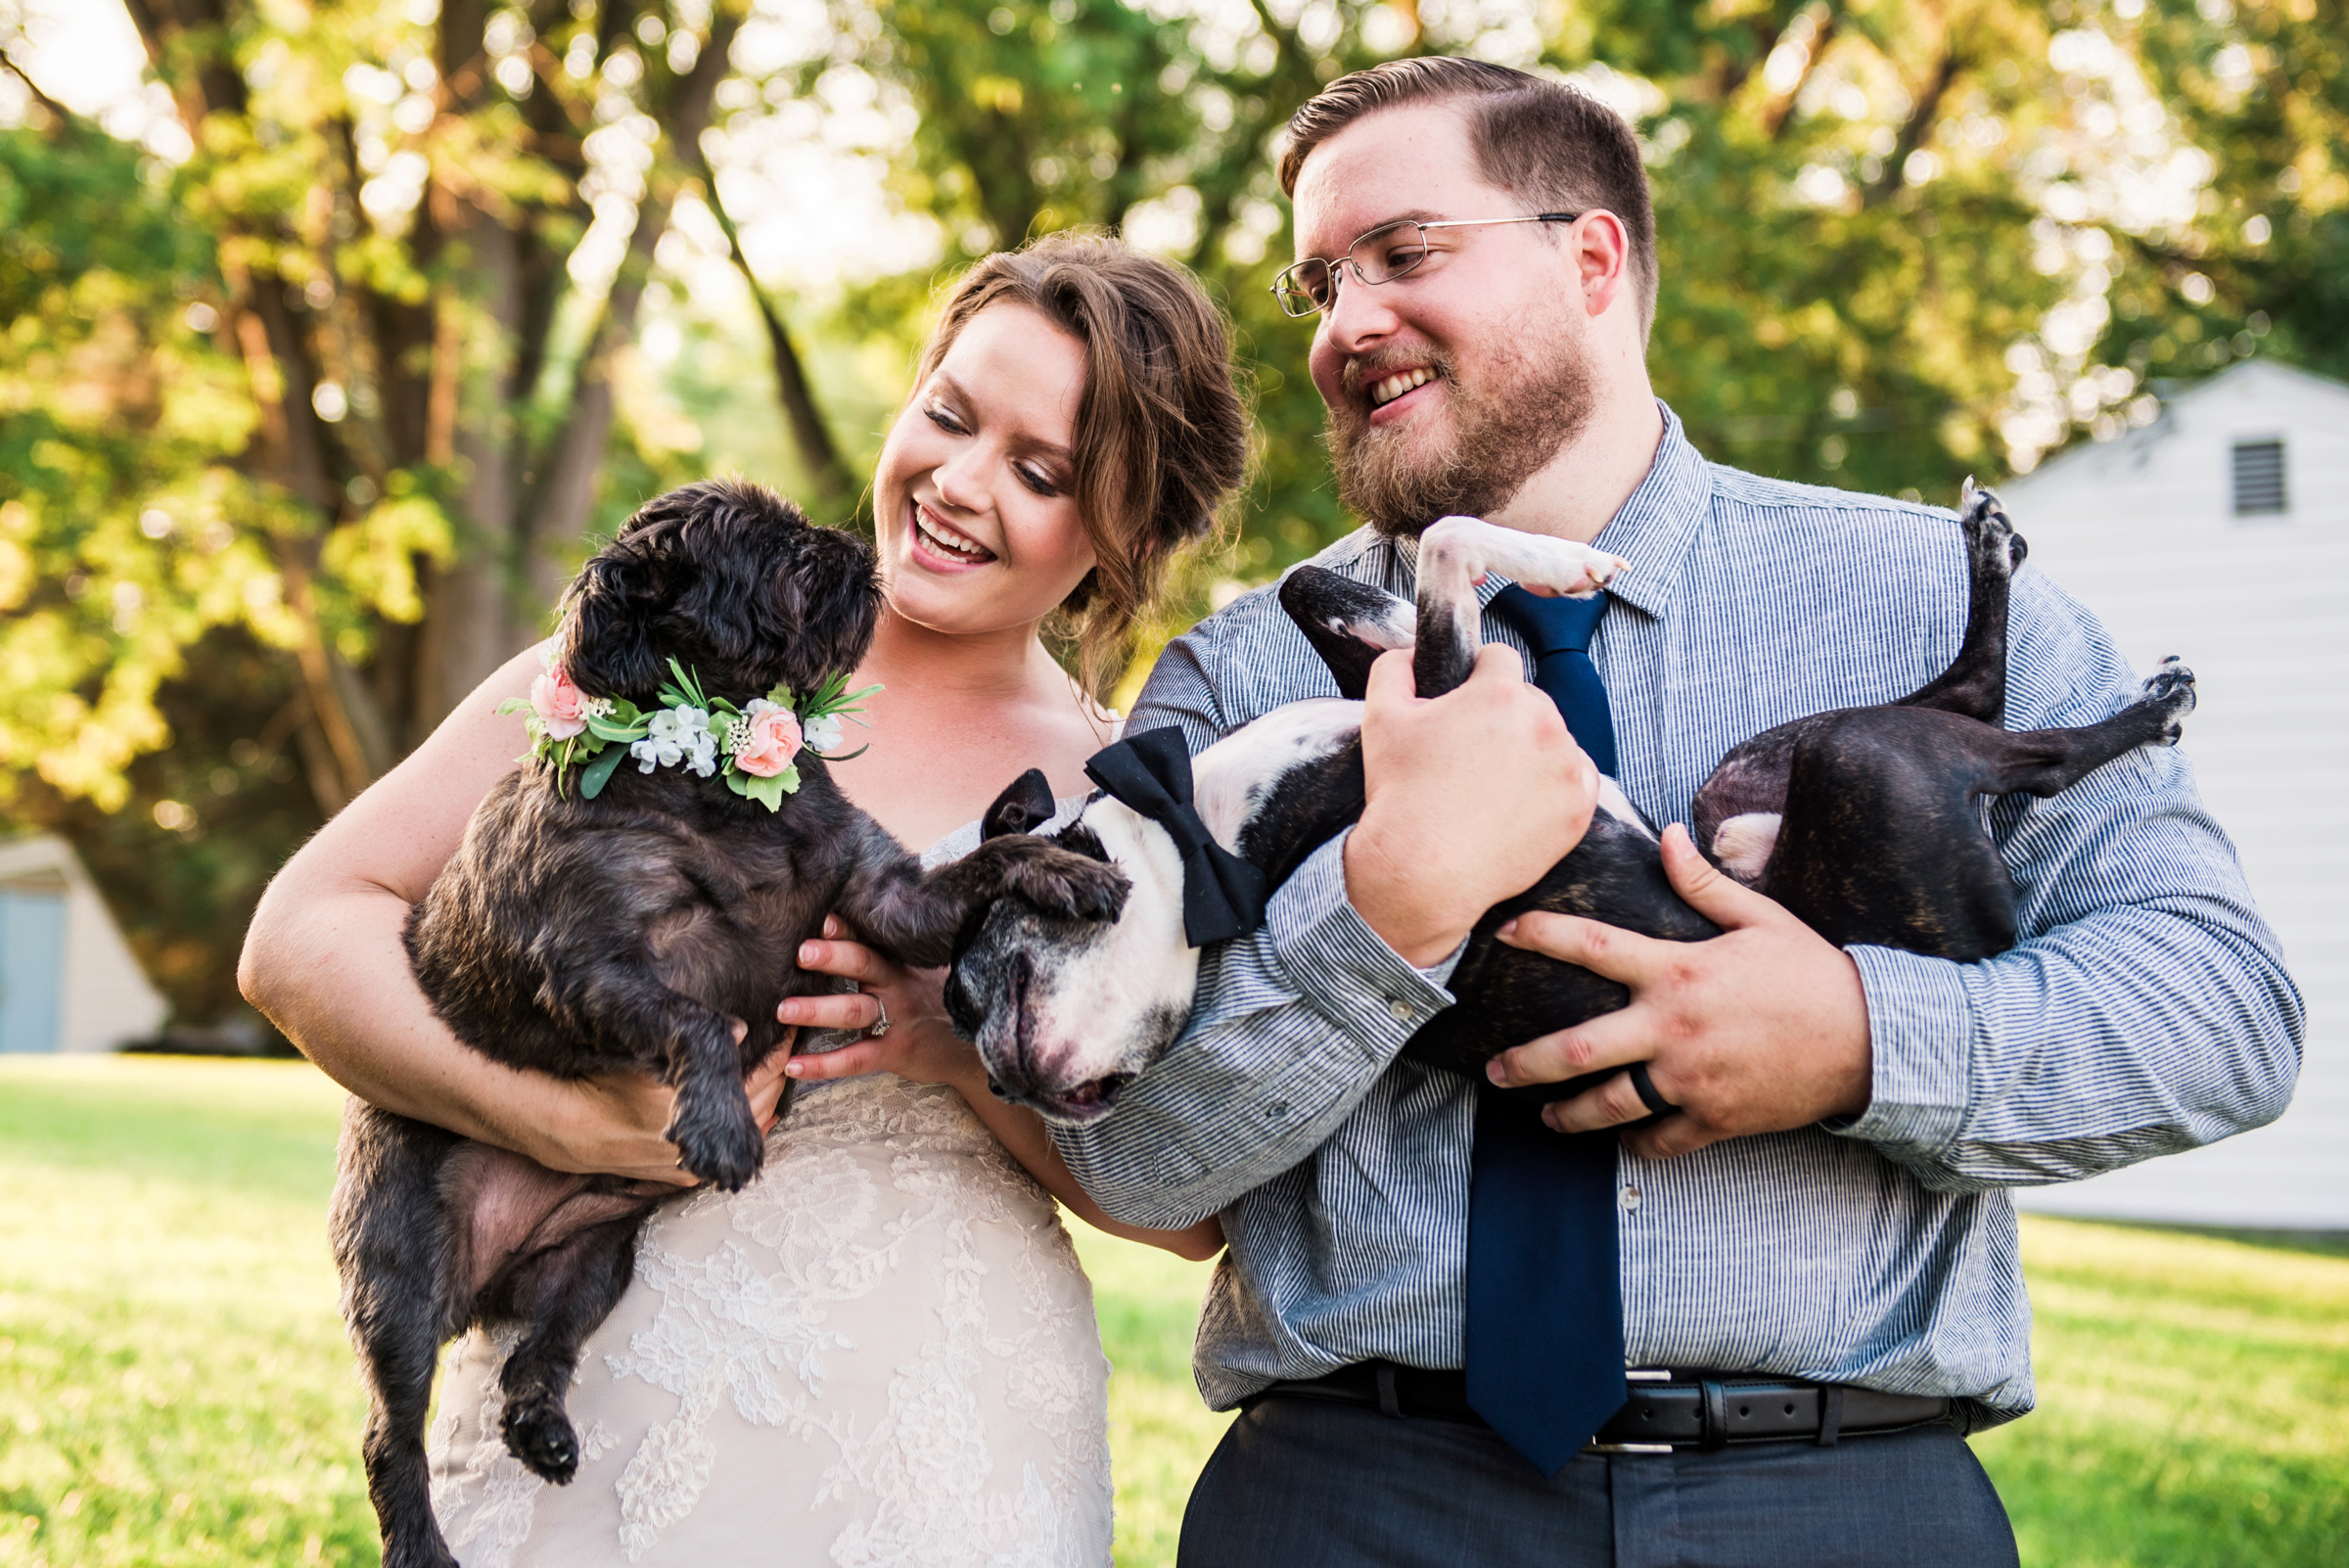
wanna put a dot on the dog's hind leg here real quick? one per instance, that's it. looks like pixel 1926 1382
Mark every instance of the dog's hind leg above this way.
pixel 2042 762
pixel 561 1293
pixel 1455 554
pixel 1975 683
pixel 397 1252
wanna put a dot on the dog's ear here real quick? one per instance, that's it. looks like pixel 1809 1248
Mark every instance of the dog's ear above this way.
pixel 610 616
pixel 1350 623
pixel 1023 805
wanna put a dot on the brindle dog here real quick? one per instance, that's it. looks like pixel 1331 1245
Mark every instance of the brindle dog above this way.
pixel 637 931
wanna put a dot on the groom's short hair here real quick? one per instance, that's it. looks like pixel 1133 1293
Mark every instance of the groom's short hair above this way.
pixel 1560 148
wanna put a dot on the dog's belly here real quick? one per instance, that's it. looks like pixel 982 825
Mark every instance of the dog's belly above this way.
pixel 507 1206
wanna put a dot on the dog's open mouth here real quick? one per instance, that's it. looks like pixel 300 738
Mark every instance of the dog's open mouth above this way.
pixel 1085 1103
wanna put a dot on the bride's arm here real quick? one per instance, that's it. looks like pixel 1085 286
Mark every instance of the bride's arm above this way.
pixel 323 959
pixel 921 1045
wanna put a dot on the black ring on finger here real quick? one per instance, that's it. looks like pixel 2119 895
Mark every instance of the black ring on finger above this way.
pixel 1645 1087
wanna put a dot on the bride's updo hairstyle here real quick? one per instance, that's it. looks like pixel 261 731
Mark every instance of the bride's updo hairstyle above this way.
pixel 1162 437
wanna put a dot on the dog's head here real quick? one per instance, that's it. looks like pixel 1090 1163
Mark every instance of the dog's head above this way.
pixel 731 581
pixel 1065 1012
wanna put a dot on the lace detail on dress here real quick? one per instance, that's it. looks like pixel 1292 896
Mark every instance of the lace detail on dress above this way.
pixel 895 1299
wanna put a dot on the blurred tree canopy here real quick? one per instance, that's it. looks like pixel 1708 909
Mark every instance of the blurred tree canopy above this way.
pixel 315 381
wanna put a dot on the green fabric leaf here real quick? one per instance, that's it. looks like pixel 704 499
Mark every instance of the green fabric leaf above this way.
pixel 767 792
pixel 614 729
pixel 599 772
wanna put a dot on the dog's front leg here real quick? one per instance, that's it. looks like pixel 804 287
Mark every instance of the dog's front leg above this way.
pixel 916 915
pixel 1455 554
pixel 637 1017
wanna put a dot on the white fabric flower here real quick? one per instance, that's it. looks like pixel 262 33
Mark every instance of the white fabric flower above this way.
pixel 675 735
pixel 823 734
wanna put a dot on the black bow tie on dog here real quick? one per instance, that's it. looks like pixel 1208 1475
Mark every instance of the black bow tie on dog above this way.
pixel 1222 895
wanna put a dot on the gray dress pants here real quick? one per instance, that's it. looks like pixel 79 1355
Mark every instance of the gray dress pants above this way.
pixel 1307 1484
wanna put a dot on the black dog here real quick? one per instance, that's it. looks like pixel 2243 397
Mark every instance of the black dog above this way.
pixel 1862 822
pixel 639 929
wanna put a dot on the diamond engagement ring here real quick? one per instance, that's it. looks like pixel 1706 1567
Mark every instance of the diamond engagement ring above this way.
pixel 882 1028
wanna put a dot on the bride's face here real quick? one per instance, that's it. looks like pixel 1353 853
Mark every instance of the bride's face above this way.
pixel 973 499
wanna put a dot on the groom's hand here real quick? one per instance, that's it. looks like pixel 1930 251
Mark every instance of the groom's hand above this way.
pixel 1470 797
pixel 1761 1030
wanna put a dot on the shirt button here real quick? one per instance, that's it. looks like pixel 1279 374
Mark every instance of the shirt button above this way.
pixel 1277 1108
pixel 1401 1009
pixel 1629 1197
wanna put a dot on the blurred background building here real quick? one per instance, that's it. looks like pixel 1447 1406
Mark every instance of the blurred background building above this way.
pixel 2220 532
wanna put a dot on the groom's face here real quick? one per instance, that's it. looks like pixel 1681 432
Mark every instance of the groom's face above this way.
pixel 1481 325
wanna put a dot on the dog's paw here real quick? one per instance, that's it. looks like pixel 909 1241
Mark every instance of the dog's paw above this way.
pixel 2172 689
pixel 1068 886
pixel 539 1434
pixel 1989 537
pixel 724 1150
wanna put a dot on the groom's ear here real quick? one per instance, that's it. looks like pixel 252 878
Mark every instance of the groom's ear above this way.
pixel 1021 806
pixel 1350 623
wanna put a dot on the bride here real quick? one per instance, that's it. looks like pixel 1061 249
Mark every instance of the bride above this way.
pixel 882 1351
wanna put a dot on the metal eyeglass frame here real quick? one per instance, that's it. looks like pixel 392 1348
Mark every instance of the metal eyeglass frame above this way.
pixel 1291 293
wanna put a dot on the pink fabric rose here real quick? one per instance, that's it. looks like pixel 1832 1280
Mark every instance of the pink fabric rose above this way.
pixel 773 740
pixel 561 705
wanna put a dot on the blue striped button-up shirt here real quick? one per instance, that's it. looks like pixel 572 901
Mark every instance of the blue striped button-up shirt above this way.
pixel 2145 1010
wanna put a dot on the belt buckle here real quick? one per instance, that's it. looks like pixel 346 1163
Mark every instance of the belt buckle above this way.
pixel 1635 1374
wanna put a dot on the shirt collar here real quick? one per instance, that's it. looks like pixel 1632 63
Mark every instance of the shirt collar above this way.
pixel 1654 528
pixel 1658 523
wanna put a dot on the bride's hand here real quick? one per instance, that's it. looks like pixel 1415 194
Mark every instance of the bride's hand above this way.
pixel 611 1125
pixel 921 1045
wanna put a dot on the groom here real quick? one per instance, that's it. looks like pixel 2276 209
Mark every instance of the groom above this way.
pixel 1811 1264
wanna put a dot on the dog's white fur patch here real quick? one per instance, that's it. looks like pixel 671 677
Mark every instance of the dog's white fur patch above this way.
pixel 1089 1018
pixel 1231 778
pixel 1617 805
pixel 1741 845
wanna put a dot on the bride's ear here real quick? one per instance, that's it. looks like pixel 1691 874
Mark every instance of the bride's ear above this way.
pixel 1022 807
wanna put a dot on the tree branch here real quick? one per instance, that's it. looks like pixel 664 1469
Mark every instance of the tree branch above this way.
pixel 1913 132
pixel 809 434
pixel 58 111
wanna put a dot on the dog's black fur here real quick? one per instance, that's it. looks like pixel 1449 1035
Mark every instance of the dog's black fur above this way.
pixel 636 931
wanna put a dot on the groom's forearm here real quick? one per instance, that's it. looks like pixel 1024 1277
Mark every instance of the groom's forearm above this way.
pixel 1290 1028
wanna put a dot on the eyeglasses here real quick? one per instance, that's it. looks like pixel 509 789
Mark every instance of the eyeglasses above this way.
pixel 1381 255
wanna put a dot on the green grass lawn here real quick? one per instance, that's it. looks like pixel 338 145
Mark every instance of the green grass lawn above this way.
pixel 174 1386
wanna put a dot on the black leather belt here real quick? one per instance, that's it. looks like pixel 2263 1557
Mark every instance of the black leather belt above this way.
pixel 1667 1410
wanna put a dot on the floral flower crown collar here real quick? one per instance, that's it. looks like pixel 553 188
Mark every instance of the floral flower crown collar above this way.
pixel 756 743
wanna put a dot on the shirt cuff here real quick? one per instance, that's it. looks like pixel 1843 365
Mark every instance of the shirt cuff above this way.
pixel 1378 997
pixel 1920 1028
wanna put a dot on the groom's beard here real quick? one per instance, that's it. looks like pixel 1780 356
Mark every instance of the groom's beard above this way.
pixel 1533 400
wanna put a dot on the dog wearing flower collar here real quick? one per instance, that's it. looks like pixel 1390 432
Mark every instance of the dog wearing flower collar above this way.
pixel 635 898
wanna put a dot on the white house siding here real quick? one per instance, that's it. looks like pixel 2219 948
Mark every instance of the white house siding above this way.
pixel 2142 529
pixel 101 999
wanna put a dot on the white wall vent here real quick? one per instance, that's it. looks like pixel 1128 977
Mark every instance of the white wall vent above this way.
pixel 2259 489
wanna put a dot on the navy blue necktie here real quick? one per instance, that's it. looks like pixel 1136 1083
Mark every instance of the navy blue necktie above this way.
pixel 1544 1341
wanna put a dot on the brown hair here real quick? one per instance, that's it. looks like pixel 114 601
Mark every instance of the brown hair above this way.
pixel 1555 145
pixel 1162 436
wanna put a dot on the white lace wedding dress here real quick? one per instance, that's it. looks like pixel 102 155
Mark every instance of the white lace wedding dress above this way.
pixel 881 1352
